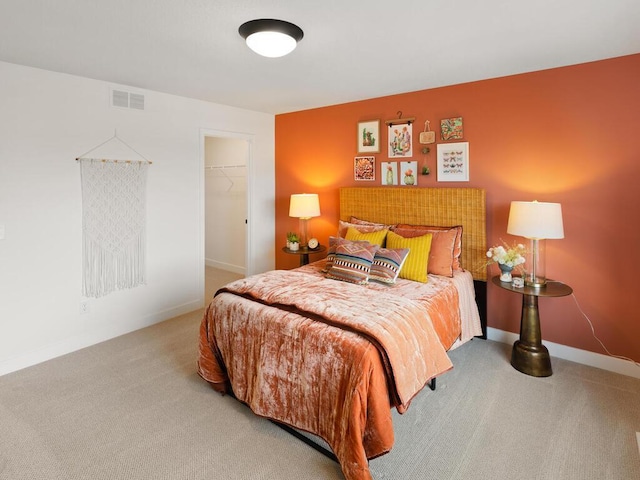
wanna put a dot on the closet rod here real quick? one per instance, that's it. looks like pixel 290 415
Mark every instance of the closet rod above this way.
pixel 222 167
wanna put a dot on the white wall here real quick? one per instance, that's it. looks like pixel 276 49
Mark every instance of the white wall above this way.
pixel 47 120
pixel 226 203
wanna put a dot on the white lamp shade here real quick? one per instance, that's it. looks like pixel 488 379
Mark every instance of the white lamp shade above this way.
pixel 271 44
pixel 535 220
pixel 304 205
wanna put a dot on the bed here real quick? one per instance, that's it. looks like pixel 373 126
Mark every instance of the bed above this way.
pixel 334 357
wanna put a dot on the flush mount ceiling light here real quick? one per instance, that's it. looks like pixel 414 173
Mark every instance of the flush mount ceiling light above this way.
pixel 271 38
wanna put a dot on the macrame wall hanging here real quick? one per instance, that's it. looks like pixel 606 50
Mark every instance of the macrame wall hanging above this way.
pixel 113 223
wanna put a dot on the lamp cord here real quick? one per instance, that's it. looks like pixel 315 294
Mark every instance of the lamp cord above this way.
pixel 593 332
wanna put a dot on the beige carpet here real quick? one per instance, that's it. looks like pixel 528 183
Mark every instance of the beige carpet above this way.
pixel 133 408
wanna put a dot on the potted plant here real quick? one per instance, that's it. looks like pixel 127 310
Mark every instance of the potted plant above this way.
pixel 293 241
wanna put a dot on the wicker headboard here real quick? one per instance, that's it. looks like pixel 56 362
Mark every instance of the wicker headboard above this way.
pixel 426 206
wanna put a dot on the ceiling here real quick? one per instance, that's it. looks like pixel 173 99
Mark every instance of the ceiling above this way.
pixel 351 50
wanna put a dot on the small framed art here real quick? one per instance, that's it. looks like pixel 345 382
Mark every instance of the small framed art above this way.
pixel 369 136
pixel 389 173
pixel 408 173
pixel 451 128
pixel 453 162
pixel 400 141
pixel 364 168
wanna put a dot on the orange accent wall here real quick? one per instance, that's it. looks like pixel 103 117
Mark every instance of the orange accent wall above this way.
pixel 569 135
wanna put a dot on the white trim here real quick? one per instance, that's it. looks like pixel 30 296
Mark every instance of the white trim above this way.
pixel 225 266
pixel 572 354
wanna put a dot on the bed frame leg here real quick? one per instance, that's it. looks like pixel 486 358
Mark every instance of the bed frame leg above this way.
pixel 432 384
pixel 292 431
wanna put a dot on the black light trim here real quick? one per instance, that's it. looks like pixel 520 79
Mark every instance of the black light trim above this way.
pixel 270 25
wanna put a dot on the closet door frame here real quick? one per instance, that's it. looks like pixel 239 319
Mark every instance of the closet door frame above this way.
pixel 204 133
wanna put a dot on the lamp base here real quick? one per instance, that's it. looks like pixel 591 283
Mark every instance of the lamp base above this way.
pixel 535 283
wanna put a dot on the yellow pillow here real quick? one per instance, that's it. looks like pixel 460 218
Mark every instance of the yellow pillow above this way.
pixel 416 265
pixel 374 238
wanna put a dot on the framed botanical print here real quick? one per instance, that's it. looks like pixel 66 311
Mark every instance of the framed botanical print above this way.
pixel 400 141
pixel 453 162
pixel 408 173
pixel 369 136
pixel 389 173
pixel 364 168
pixel 451 128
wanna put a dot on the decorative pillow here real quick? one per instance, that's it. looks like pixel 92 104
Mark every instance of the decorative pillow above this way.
pixel 359 221
pixel 352 262
pixel 446 246
pixel 344 226
pixel 416 265
pixel 387 264
pixel 331 251
pixel 374 238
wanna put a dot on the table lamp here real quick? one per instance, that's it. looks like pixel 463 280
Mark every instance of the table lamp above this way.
pixel 304 206
pixel 536 221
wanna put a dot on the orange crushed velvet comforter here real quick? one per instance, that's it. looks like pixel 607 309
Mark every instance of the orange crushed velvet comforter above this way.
pixel 329 357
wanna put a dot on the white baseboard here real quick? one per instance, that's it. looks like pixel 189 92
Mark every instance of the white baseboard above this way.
pixel 584 357
pixel 225 266
pixel 86 340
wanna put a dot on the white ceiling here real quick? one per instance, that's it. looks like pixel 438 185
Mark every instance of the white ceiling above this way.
pixel 351 50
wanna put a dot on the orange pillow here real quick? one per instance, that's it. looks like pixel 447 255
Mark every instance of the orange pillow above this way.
pixel 343 227
pixel 446 246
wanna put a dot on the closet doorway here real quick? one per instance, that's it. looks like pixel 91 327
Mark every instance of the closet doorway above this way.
pixel 226 227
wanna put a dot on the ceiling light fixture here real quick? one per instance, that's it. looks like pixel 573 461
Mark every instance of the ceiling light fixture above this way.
pixel 271 38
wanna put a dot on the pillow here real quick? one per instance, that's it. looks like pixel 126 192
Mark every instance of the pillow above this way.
pixel 416 263
pixel 358 221
pixel 352 262
pixel 344 226
pixel 374 238
pixel 387 264
pixel 446 246
pixel 331 251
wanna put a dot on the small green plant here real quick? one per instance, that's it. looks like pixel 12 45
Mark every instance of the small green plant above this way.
pixel 293 237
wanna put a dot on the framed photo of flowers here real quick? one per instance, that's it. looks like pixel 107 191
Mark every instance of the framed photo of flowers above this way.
pixel 451 128
pixel 364 168
pixel 400 141
pixel 409 173
pixel 369 136
pixel 389 173
pixel 453 162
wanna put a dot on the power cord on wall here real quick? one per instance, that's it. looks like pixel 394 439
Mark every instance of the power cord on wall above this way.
pixel 593 332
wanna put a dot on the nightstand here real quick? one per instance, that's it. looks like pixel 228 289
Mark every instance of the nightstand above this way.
pixel 529 355
pixel 304 252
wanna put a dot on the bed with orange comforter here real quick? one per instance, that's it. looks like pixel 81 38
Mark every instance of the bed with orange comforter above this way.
pixel 291 344
pixel 332 358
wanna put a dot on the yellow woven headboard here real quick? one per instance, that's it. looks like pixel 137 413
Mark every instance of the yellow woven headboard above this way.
pixel 426 206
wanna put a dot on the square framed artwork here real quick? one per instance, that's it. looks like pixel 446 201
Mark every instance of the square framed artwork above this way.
pixel 400 141
pixel 451 128
pixel 409 173
pixel 364 168
pixel 389 173
pixel 453 162
pixel 369 136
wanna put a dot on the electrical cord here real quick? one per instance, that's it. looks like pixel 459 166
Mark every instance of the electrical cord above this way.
pixel 593 332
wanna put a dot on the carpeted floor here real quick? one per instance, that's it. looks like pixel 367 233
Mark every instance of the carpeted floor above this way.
pixel 134 408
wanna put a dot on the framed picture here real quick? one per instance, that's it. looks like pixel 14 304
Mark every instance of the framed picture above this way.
pixel 389 173
pixel 364 168
pixel 451 128
pixel 400 141
pixel 409 173
pixel 453 162
pixel 369 136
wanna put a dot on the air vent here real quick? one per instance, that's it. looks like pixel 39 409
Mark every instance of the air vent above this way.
pixel 124 99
